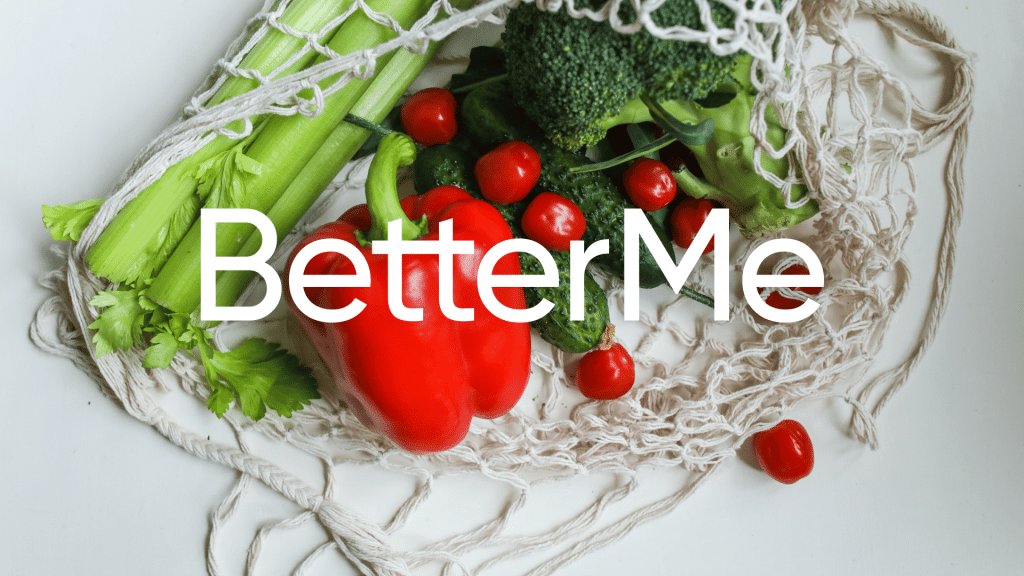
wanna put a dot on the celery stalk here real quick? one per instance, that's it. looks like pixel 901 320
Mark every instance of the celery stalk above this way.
pixel 142 235
pixel 276 48
pixel 339 148
pixel 282 150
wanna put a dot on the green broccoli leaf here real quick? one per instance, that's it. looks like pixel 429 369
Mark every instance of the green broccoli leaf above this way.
pixel 485 63
pixel 716 99
pixel 66 222
pixel 689 134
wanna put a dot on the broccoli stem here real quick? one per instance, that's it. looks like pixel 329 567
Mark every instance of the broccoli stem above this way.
pixel 730 170
pixel 633 112
pixel 727 160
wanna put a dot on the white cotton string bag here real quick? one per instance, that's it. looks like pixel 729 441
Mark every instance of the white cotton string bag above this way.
pixel 703 387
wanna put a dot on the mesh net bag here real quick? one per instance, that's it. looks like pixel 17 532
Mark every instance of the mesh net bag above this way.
pixel 703 387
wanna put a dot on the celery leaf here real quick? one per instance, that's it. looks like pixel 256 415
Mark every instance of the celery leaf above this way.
pixel 174 229
pixel 120 325
pixel 66 222
pixel 224 178
pixel 161 351
pixel 262 375
pixel 220 400
pixel 259 374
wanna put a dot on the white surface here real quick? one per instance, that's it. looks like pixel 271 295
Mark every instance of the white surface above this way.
pixel 86 489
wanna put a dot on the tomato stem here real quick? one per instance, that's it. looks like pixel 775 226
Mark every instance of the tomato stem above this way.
pixel 607 338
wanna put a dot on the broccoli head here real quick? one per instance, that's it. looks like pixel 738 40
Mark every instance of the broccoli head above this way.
pixel 573 75
pixel 728 166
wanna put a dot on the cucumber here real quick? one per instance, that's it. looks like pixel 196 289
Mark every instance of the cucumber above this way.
pixel 490 118
pixel 447 165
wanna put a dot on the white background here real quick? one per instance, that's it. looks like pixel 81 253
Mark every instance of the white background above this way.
pixel 86 489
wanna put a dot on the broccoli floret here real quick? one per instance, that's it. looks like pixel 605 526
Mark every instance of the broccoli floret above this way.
pixel 567 73
pixel 727 162
pixel 573 75
pixel 674 70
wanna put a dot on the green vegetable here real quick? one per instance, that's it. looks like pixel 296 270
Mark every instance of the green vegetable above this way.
pixel 68 222
pixel 283 150
pixel 448 165
pixel 144 233
pixel 376 104
pixel 490 118
pixel 279 168
pixel 573 76
pixel 259 374
pixel 727 163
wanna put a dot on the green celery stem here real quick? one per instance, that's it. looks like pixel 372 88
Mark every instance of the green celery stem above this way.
pixel 138 231
pixel 285 146
pixel 339 149
pixel 276 47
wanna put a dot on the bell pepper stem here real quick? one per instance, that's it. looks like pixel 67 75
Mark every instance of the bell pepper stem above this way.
pixel 394 151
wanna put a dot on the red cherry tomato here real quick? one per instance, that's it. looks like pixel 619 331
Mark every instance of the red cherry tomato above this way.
pixel 784 451
pixel 428 116
pixel 687 218
pixel 553 221
pixel 777 300
pixel 604 374
pixel 649 184
pixel 508 173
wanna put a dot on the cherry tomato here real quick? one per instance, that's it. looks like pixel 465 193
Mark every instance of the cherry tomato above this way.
pixel 687 218
pixel 649 184
pixel 428 116
pixel 508 173
pixel 784 451
pixel 605 373
pixel 553 221
pixel 777 300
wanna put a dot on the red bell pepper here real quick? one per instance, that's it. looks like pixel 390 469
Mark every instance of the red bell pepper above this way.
pixel 418 382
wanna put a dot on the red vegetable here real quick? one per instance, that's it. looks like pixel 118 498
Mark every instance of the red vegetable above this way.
pixel 418 382
pixel 784 451
pixel 606 372
pixel 649 184
pixel 687 218
pixel 776 300
pixel 428 116
pixel 508 173
pixel 553 221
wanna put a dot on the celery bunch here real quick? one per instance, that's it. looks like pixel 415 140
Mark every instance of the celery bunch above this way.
pixel 151 248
